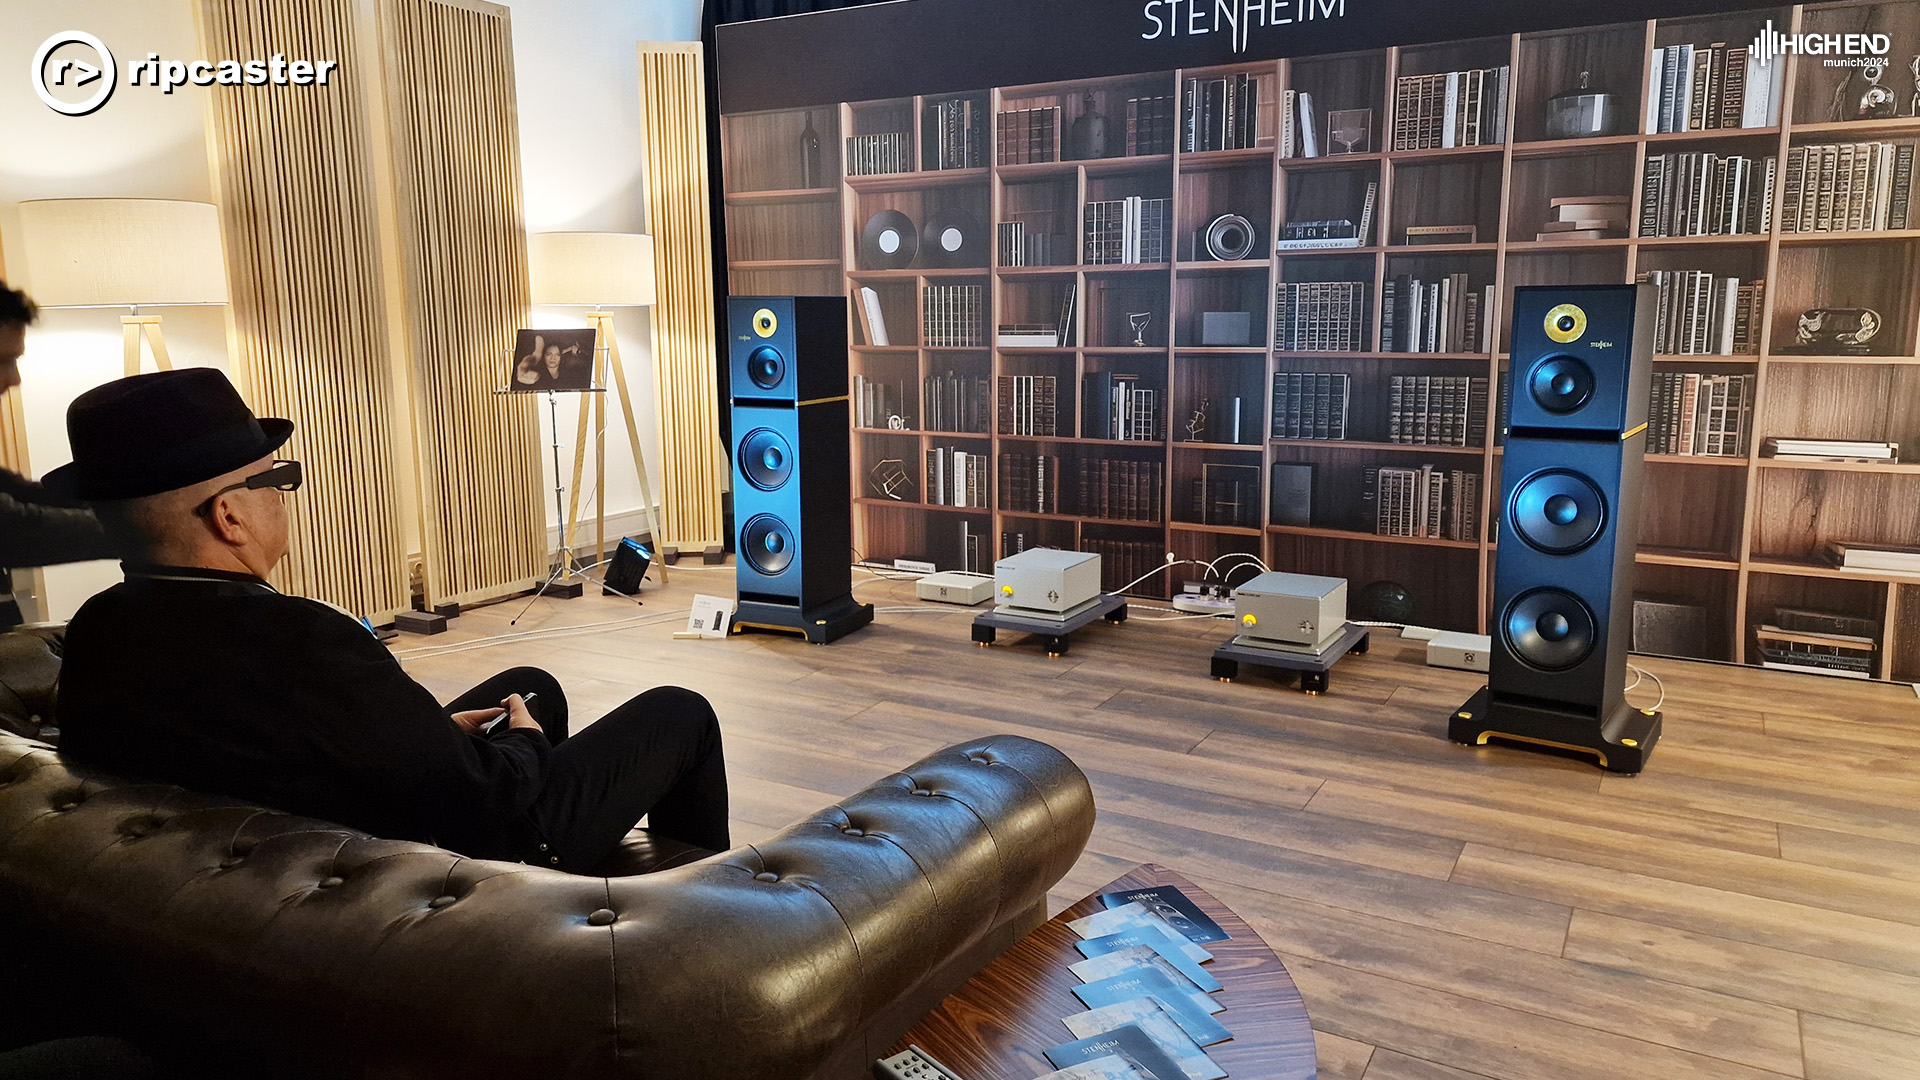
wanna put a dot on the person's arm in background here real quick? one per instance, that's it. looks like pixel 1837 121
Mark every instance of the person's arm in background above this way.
pixel 38 528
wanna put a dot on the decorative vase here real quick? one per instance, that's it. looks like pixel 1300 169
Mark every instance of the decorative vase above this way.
pixel 1089 132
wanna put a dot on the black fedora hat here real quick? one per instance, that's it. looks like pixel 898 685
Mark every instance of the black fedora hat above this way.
pixel 146 434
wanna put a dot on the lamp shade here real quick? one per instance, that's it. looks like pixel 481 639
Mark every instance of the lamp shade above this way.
pixel 592 269
pixel 123 252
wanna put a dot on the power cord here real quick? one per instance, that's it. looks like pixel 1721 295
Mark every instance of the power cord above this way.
pixel 1639 673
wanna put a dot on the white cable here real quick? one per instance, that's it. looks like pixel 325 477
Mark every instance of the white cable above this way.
pixel 1180 618
pixel 1637 673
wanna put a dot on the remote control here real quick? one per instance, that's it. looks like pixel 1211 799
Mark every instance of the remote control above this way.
pixel 912 1063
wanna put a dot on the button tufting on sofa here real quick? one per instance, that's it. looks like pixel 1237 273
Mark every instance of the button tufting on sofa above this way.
pixel 765 875
pixel 602 917
pixel 851 831
pixel 439 902
pixel 330 882
pixel 232 861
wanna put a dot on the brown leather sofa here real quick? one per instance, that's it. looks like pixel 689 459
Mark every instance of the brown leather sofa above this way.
pixel 256 942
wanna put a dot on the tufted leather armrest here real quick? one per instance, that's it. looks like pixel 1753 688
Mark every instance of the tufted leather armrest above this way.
pixel 775 961
pixel 29 675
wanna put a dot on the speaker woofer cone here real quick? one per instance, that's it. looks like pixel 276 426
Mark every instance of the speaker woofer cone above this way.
pixel 1561 384
pixel 766 367
pixel 1558 511
pixel 766 459
pixel 1549 629
pixel 767 543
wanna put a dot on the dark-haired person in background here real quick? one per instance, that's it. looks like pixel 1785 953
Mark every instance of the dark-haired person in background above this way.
pixel 37 528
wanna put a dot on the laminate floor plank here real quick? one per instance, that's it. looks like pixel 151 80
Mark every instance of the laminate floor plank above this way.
pixel 1838 1050
pixel 1493 1040
pixel 1449 912
pixel 1607 999
pixel 1791 980
pixel 1820 932
pixel 1412 898
pixel 1766 875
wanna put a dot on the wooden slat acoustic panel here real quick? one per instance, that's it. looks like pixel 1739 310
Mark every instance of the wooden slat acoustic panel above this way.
pixel 296 190
pixel 674 122
pixel 462 253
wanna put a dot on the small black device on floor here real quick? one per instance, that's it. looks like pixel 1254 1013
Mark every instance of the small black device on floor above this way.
pixel 912 1063
pixel 627 569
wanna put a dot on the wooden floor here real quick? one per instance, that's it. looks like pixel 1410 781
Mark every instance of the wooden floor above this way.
pixel 1747 907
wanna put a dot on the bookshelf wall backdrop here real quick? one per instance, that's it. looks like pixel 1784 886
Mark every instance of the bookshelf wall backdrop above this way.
pixel 1063 345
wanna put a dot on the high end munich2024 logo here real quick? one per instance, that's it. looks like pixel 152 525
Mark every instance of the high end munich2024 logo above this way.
pixel 75 74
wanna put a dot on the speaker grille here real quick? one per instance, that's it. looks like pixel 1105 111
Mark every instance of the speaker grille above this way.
pixel 766 459
pixel 767 543
pixel 1550 629
pixel 1561 384
pixel 1558 511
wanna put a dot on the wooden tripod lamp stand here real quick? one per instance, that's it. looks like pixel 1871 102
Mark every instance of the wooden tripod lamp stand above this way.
pixel 129 253
pixel 599 271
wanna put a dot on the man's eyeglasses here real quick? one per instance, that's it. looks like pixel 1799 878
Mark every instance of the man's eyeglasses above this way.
pixel 284 476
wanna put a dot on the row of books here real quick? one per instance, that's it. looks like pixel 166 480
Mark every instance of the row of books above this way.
pixel 951 134
pixel 1852 555
pixel 1030 483
pixel 1311 404
pixel 1456 108
pixel 1428 501
pixel 1707 87
pixel 1026 136
pixel 1022 245
pixel 1220 113
pixel 1443 315
pixel 1819 643
pixel 953 316
pixel 1042 335
pixel 1698 415
pixel 1150 127
pixel 873 317
pixel 956 477
pixel 1322 316
pixel 1800 449
pixel 874 155
pixel 1330 233
pixel 1227 495
pixel 954 402
pixel 1123 561
pixel 1437 410
pixel 1848 187
pixel 1027 405
pixel 1123 490
pixel 1299 128
pixel 1700 314
pixel 1129 230
pixel 1702 194
pixel 1115 406
pixel 875 403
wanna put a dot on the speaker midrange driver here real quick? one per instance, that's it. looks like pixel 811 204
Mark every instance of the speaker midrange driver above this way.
pixel 767 544
pixel 1229 238
pixel 1558 511
pixel 766 459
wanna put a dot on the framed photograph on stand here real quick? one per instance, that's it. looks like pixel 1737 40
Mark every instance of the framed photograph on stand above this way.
pixel 558 360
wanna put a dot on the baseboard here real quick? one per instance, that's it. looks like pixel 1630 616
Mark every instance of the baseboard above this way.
pixel 619 524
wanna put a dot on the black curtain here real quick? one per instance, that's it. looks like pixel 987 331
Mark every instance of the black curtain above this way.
pixel 713 14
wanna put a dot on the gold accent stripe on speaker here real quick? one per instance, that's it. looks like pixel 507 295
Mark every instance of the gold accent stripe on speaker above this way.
pixel 462 270
pixel 1485 735
pixel 673 120
pixel 308 322
pixel 822 401
pixel 1625 435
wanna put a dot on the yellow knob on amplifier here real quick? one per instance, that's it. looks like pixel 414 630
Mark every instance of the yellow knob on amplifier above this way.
pixel 1248 620
pixel 1566 323
pixel 1006 590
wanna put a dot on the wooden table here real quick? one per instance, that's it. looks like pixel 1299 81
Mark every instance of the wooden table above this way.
pixel 999 1024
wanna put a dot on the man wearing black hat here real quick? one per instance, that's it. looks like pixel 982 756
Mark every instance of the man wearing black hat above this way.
pixel 37 527
pixel 196 671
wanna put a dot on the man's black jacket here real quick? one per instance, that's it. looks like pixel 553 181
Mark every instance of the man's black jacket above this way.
pixel 216 682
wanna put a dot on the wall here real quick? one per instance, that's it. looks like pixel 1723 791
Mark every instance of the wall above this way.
pixel 578 85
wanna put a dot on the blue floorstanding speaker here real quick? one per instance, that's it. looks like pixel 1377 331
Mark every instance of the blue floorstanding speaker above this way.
pixel 792 487
pixel 1569 519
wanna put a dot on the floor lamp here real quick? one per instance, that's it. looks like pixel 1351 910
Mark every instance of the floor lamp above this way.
pixel 598 270
pixel 129 253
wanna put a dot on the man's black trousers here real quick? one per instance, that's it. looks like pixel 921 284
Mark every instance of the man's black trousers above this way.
pixel 656 756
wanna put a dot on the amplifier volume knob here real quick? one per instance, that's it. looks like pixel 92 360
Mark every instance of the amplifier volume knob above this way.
pixel 1248 620
pixel 1006 590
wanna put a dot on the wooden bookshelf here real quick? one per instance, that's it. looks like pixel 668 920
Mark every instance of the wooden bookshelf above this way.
pixel 1739 536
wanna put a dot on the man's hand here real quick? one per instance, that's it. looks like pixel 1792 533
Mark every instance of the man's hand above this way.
pixel 473 720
